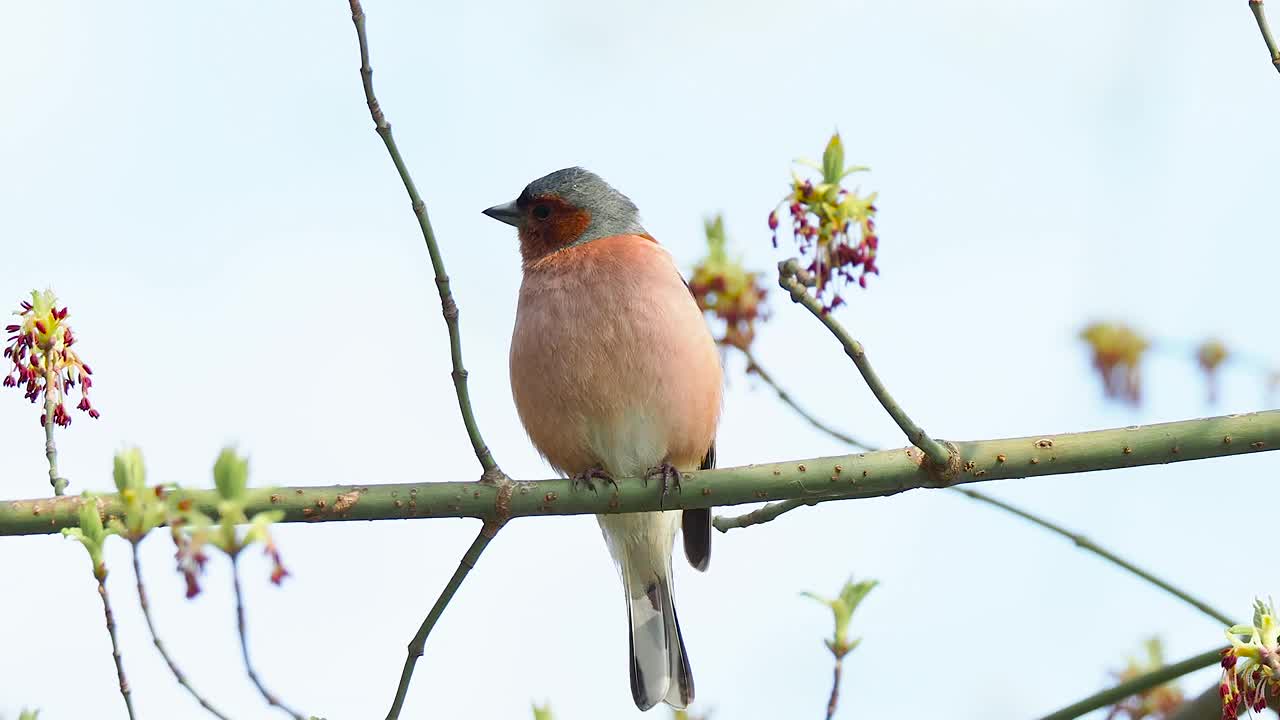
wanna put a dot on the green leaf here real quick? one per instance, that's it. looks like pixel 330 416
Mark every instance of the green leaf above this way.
pixel 129 471
pixel 542 712
pixel 1260 608
pixel 231 475
pixel 842 607
pixel 90 533
pixel 833 160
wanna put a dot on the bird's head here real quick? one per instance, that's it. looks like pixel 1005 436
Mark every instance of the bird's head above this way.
pixel 566 208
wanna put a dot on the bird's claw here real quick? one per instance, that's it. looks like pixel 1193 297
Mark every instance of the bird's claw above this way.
pixel 668 474
pixel 586 477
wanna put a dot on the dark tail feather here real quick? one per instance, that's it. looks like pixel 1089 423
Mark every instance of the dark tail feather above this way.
pixel 696 525
pixel 680 693
pixel 659 667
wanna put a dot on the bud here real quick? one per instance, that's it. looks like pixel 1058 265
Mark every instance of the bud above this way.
pixel 231 475
pixel 842 607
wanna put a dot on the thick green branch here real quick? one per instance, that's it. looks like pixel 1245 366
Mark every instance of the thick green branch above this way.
pixel 1115 694
pixel 861 475
pixel 437 262
pixel 789 277
pixel 774 509
pixel 1261 16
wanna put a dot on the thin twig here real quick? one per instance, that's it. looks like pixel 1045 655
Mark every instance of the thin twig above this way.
pixel 754 368
pixel 1157 677
pixel 420 639
pixel 492 475
pixel 271 699
pixel 450 308
pixel 101 574
pixel 759 516
pixel 155 638
pixel 773 510
pixel 835 689
pixel 1086 544
pixel 1261 16
pixel 50 449
pixel 789 278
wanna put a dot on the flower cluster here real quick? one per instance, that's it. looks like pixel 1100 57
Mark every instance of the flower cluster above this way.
pixel 725 290
pixel 193 531
pixel 1117 356
pixel 1210 356
pixel 834 227
pixel 43 363
pixel 1251 667
pixel 1157 703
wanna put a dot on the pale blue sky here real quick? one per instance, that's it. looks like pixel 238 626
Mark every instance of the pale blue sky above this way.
pixel 202 185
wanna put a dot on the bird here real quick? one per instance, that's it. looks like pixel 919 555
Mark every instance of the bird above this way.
pixel 615 374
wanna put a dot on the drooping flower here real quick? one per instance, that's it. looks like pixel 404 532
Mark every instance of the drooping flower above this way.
pixel 1251 667
pixel 725 290
pixel 1117 356
pixel 1158 703
pixel 1210 356
pixel 42 361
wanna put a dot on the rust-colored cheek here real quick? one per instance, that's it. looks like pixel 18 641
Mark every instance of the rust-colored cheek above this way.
pixel 569 226
pixel 565 225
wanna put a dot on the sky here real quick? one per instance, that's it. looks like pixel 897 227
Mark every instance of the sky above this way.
pixel 202 186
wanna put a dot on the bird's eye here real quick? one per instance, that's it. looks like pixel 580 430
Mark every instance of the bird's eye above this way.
pixel 541 212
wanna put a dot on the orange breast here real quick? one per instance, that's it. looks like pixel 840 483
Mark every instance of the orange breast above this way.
pixel 611 361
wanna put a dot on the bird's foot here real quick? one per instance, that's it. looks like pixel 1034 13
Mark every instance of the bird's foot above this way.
pixel 587 477
pixel 667 474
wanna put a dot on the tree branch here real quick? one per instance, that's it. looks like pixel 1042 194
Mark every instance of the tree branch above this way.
pixel 773 510
pixel 492 477
pixel 1261 16
pixel 101 575
pixel 861 475
pixel 58 482
pixel 790 278
pixel 754 368
pixel 1115 694
pixel 834 699
pixel 419 641
pixel 1085 543
pixel 267 695
pixel 155 637
pixel 489 465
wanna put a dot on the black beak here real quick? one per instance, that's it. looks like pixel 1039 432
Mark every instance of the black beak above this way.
pixel 506 212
